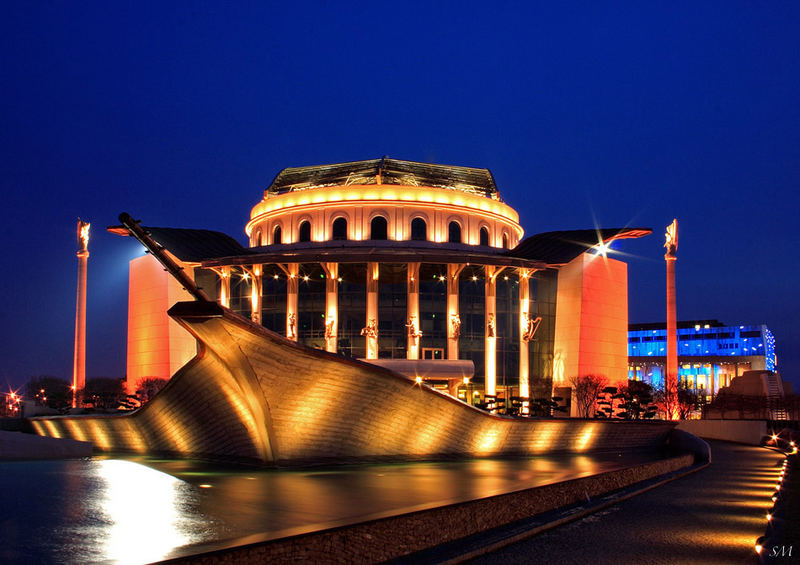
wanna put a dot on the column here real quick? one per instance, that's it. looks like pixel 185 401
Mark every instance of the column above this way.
pixel 454 319
pixel 490 308
pixel 292 271
pixel 331 306
pixel 412 289
pixel 79 357
pixel 524 338
pixel 224 286
pixel 255 294
pixel 373 274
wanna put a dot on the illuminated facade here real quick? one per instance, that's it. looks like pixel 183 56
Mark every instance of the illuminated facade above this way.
pixel 422 269
pixel 710 354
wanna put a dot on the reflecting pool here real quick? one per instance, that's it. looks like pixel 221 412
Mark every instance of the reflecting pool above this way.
pixel 140 510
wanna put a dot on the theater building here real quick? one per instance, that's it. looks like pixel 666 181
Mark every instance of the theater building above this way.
pixel 418 267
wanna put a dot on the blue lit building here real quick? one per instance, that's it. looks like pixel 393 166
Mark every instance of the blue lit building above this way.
pixel 710 354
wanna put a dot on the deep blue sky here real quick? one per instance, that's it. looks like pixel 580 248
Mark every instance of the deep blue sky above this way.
pixel 619 114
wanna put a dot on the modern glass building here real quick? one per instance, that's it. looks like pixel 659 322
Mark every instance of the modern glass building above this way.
pixel 710 353
pixel 417 267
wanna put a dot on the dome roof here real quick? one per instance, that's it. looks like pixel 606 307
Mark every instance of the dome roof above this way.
pixel 385 171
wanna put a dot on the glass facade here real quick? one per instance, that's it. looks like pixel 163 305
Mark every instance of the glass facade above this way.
pixel 710 355
pixel 393 314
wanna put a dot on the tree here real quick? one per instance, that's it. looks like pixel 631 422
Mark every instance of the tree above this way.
pixel 637 401
pixel 148 387
pixel 607 402
pixel 50 391
pixel 104 393
pixel 586 389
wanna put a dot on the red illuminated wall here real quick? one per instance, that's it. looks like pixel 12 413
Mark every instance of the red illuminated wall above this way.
pixel 157 345
pixel 592 320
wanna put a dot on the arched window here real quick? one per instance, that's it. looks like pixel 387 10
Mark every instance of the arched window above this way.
pixel 304 233
pixel 276 235
pixel 419 230
pixel 257 238
pixel 484 236
pixel 505 241
pixel 339 230
pixel 454 233
pixel 378 228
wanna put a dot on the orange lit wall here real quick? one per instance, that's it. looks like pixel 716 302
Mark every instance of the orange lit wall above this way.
pixel 592 320
pixel 157 345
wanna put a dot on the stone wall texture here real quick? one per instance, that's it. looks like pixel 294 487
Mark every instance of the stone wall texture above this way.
pixel 252 395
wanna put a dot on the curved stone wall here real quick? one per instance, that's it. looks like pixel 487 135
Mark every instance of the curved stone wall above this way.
pixel 253 395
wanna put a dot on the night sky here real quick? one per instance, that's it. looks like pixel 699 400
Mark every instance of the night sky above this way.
pixel 623 114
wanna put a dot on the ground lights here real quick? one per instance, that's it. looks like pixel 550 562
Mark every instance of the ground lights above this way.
pixel 772 516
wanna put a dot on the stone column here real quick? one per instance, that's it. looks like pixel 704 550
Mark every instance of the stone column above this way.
pixel 255 294
pixel 292 271
pixel 453 317
pixel 490 340
pixel 373 275
pixel 524 315
pixel 672 332
pixel 79 357
pixel 224 286
pixel 412 288
pixel 331 306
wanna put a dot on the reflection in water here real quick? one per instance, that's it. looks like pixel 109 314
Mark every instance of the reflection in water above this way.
pixel 138 509
pixel 139 503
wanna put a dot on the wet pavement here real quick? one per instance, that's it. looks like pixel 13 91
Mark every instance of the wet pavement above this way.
pixel 713 516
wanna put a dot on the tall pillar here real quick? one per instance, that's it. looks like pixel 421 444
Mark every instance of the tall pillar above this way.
pixel 412 301
pixel 292 271
pixel 331 306
pixel 224 286
pixel 373 274
pixel 670 257
pixel 490 339
pixel 79 358
pixel 524 337
pixel 255 294
pixel 453 317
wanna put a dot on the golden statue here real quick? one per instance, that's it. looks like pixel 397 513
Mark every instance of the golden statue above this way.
pixel 83 236
pixel 532 326
pixel 491 327
pixel 455 326
pixel 371 329
pixel 292 322
pixel 413 332
pixel 671 238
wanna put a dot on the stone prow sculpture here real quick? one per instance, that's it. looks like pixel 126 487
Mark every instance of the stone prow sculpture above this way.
pixel 251 395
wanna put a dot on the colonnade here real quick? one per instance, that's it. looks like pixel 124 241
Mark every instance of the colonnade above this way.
pixel 528 323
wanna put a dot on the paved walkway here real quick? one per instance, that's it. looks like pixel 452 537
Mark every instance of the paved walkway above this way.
pixel 711 517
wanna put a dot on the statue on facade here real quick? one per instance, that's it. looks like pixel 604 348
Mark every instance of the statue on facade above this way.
pixel 292 323
pixel 413 331
pixel 371 329
pixel 531 327
pixel 330 328
pixel 455 326
pixel 491 328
